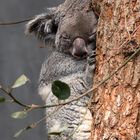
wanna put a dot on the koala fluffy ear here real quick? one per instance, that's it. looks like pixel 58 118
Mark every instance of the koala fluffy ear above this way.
pixel 43 26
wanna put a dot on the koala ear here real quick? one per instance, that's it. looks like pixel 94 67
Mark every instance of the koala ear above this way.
pixel 43 26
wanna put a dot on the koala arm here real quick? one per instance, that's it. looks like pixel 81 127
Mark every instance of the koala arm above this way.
pixel 91 60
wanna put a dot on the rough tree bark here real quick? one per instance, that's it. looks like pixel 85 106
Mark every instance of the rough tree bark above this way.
pixel 116 112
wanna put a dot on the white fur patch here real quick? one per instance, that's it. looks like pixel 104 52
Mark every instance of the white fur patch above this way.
pixel 44 92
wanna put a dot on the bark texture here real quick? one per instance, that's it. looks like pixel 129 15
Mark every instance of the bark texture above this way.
pixel 116 111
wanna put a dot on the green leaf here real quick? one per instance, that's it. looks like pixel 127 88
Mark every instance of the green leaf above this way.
pixel 61 90
pixel 19 133
pixel 20 81
pixel 19 115
pixel 2 99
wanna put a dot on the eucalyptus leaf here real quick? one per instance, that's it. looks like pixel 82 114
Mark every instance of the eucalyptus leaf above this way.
pixel 20 81
pixel 19 115
pixel 2 99
pixel 61 90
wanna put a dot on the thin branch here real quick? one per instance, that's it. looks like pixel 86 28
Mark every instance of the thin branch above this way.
pixel 68 102
pixel 35 124
pixel 18 102
pixel 31 126
pixel 9 93
pixel 99 84
pixel 38 122
pixel 14 22
pixel 128 39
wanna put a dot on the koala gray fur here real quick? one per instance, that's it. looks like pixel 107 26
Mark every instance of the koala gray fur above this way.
pixel 74 73
pixel 62 29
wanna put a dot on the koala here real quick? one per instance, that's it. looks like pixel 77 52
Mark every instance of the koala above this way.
pixel 71 35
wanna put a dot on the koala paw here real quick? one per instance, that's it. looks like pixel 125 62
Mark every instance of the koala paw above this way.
pixel 92 58
pixel 90 66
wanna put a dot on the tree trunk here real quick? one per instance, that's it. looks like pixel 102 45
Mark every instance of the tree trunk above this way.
pixel 116 112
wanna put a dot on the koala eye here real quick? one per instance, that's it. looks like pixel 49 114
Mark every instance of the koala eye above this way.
pixel 65 36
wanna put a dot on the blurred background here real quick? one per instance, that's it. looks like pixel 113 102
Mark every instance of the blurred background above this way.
pixel 21 55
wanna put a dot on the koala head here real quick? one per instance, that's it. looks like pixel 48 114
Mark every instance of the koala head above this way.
pixel 72 34
pixel 75 33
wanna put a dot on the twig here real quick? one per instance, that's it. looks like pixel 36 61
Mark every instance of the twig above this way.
pixel 89 91
pixel 126 41
pixel 132 34
pixel 38 122
pixel 35 124
pixel 14 22
pixel 31 126
pixel 99 84
pixel 84 94
pixel 9 93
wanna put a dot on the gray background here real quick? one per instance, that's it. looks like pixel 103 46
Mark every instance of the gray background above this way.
pixel 21 55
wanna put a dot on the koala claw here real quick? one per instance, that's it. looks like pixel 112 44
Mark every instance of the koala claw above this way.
pixel 91 58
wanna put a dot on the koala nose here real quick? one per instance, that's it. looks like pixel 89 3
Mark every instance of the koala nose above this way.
pixel 80 54
pixel 79 49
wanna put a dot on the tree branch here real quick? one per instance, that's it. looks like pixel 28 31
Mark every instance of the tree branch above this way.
pixel 14 22
pixel 9 93
pixel 30 107
pixel 99 84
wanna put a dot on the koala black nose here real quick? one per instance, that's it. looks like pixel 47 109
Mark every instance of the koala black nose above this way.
pixel 79 49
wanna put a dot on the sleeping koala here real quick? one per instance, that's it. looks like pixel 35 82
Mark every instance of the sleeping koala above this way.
pixel 71 34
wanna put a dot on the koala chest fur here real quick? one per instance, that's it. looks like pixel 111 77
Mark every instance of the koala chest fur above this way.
pixel 72 37
pixel 67 117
